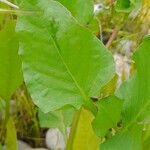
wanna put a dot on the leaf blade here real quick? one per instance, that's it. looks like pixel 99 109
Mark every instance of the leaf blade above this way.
pixel 82 128
pixel 109 114
pixel 65 74
pixel 135 92
pixel 80 9
pixel 10 63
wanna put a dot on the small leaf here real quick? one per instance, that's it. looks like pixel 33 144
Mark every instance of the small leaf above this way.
pixel 123 5
pixel 82 135
pixel 11 136
pixel 58 119
pixel 127 6
pixel 110 87
pixel 10 63
pixel 109 114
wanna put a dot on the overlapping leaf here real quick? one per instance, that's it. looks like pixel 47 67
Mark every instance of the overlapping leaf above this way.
pixel 136 93
pixel 10 63
pixel 82 135
pixel 63 63
pixel 109 114
pixel 59 119
pixel 127 5
pixel 127 140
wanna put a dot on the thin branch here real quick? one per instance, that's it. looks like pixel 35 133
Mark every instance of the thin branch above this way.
pixel 112 37
pixel 9 3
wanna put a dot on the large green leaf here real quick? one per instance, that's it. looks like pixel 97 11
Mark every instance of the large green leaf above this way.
pixel 136 93
pixel 80 9
pixel 10 63
pixel 63 63
pixel 109 114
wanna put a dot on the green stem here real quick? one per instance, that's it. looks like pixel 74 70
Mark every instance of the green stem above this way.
pixel 7 115
pixel 18 12
pixel 73 129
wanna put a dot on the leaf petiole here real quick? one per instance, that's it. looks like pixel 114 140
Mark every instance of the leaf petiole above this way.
pixel 10 4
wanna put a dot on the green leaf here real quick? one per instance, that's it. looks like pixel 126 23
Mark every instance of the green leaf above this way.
pixel 136 108
pixel 10 63
pixel 109 114
pixel 82 10
pixel 128 140
pixel 135 91
pixel 123 6
pixel 58 119
pixel 127 6
pixel 110 87
pixel 2 105
pixel 82 135
pixel 95 26
pixel 146 137
pixel 63 63
pixel 11 136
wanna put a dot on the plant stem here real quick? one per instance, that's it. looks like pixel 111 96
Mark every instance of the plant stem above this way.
pixel 10 4
pixel 7 115
pixel 18 12
pixel 112 37
pixel 73 129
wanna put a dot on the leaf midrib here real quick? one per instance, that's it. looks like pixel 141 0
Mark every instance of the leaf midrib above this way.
pixel 58 49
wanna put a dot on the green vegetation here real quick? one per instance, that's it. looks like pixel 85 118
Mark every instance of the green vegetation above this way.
pixel 78 64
